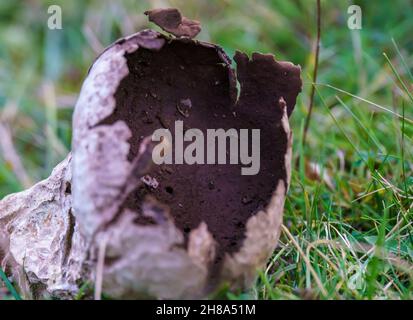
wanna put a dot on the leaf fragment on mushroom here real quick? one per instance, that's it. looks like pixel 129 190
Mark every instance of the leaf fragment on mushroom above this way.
pixel 172 21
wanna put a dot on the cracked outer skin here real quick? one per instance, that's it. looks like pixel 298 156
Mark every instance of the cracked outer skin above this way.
pixel 51 234
pixel 42 246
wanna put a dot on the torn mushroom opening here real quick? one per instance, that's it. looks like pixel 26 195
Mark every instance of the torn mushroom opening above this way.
pixel 193 82
pixel 165 227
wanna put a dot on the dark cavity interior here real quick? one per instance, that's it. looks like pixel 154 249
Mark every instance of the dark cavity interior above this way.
pixel 147 100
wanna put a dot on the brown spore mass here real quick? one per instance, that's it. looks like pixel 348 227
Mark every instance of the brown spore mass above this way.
pixel 193 82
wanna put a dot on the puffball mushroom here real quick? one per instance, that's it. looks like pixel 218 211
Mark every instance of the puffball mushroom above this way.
pixel 108 214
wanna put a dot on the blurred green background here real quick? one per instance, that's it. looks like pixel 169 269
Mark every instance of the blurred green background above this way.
pixel 352 185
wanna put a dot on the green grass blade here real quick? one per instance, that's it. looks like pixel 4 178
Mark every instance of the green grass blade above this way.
pixel 9 285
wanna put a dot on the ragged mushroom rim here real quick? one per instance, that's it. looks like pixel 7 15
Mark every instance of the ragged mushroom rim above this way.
pixel 231 74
